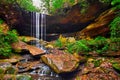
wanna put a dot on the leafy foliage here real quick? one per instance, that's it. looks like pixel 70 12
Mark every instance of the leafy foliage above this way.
pixel 116 4
pixel 27 5
pixel 78 46
pixel 5 42
pixel 60 4
pixel 99 44
pixel 115 27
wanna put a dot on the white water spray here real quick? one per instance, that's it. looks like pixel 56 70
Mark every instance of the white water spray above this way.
pixel 37 27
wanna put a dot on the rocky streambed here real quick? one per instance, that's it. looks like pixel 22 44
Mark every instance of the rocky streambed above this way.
pixel 58 65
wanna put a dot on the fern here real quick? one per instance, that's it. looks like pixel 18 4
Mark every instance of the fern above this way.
pixel 115 27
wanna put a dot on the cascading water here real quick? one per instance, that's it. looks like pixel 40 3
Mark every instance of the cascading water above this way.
pixel 39 27
pixel 38 30
pixel 39 21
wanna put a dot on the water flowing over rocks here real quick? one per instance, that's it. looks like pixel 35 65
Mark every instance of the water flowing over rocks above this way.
pixel 60 61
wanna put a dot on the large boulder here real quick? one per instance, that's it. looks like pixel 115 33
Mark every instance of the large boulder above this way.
pixel 60 61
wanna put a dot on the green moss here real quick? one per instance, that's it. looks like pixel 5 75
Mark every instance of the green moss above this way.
pixel 116 66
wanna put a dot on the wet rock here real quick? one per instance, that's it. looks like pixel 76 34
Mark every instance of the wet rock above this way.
pixel 19 46
pixel 5 64
pixel 25 66
pixel 12 59
pixel 60 61
pixel 7 68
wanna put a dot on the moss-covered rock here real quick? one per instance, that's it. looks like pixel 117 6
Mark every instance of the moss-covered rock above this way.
pixel 24 77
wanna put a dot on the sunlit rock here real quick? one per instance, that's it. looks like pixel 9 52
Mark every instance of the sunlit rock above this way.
pixel 60 61
pixel 99 26
pixel 19 46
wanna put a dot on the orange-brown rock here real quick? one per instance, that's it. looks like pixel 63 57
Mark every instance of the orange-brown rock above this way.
pixel 19 46
pixel 61 62
pixel 99 27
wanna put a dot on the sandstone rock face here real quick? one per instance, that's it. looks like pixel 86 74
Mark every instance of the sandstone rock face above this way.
pixel 99 26
pixel 60 61
pixel 19 46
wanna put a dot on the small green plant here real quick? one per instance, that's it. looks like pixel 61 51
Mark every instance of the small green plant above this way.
pixel 5 42
pixel 58 43
pixel 1 21
pixel 78 46
pixel 97 63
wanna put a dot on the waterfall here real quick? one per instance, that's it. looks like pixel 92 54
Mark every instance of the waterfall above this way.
pixel 38 27
pixel 43 27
